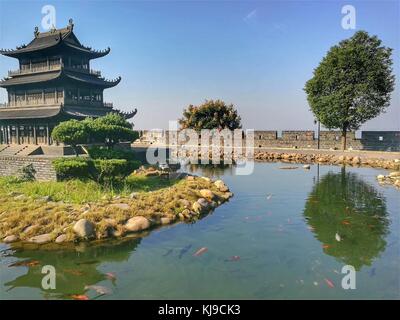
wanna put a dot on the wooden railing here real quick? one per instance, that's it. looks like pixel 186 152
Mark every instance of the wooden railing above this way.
pixel 38 69
pixel 34 69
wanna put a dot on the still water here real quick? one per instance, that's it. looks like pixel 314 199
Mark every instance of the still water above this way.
pixel 284 234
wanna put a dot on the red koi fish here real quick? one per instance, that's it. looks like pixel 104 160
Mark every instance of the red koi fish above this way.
pixel 111 276
pixel 329 283
pixel 79 297
pixel 200 252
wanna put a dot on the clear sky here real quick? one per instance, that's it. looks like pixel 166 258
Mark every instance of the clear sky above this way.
pixel 256 55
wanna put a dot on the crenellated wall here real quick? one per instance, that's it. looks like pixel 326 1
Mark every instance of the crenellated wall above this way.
pixel 370 140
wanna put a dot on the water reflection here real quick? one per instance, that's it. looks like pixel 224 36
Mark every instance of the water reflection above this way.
pixel 211 170
pixel 76 268
pixel 348 216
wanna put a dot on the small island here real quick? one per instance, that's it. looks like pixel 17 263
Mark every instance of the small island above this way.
pixel 74 210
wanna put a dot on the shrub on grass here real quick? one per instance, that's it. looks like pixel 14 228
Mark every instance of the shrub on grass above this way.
pixel 110 170
pixel 69 168
pixel 27 173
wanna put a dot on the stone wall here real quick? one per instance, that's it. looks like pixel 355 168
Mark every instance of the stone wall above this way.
pixel 11 165
pixel 381 140
pixel 305 139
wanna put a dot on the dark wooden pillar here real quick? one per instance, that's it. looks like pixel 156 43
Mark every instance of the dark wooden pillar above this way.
pixel 34 134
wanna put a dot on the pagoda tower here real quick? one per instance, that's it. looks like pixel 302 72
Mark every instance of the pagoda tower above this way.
pixel 54 83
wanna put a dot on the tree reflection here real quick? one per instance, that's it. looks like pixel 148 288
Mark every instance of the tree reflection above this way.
pixel 76 266
pixel 344 207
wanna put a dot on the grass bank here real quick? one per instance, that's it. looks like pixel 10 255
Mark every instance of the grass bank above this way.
pixel 51 209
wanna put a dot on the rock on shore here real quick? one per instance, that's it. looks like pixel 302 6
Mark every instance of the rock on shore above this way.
pixel 392 178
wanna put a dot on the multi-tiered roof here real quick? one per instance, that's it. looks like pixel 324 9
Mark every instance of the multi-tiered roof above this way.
pixel 54 79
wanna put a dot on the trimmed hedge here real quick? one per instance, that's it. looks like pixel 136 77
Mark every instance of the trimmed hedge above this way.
pixel 101 170
pixel 105 153
pixel 68 168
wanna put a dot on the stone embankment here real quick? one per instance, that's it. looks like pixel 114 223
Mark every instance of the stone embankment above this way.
pixel 326 158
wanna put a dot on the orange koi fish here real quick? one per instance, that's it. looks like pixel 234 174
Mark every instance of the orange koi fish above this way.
pixel 79 297
pixel 200 252
pixel 329 283
pixel 345 222
pixel 326 246
pixel 25 263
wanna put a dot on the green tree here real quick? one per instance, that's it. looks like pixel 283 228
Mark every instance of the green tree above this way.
pixel 71 132
pixel 210 115
pixel 352 84
pixel 110 130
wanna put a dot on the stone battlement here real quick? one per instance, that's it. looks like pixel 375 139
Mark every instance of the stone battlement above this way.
pixel 305 139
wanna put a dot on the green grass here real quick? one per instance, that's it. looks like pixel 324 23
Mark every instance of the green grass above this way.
pixel 75 199
pixel 78 191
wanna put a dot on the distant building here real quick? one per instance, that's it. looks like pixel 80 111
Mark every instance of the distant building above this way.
pixel 54 83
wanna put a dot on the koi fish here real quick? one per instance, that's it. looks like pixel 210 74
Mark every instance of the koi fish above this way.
pixel 200 252
pixel 167 253
pixel 25 263
pixel 111 276
pixel 233 258
pixel 372 272
pixel 73 272
pixel 79 297
pixel 326 246
pixel 329 283
pixel 184 250
pixel 99 289
pixel 345 222
pixel 337 237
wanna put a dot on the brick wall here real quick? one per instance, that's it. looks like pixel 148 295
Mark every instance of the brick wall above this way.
pixel 11 165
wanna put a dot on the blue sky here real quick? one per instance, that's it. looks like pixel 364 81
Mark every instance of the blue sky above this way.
pixel 256 55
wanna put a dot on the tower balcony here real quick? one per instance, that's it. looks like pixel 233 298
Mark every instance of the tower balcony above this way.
pixel 34 69
pixel 54 67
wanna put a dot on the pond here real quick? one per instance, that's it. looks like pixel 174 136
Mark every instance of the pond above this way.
pixel 285 234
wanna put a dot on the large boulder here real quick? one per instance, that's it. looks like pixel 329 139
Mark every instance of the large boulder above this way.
pixel 356 160
pixel 84 228
pixel 394 174
pixel 137 224
pixel 11 238
pixel 201 206
pixel 208 194
pixel 61 238
pixel 41 239
pixel 221 186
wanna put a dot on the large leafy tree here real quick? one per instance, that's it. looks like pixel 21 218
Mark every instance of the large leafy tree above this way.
pixel 212 114
pixel 71 132
pixel 110 130
pixel 352 84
